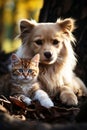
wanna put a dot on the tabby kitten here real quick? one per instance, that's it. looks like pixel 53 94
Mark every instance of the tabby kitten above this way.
pixel 24 81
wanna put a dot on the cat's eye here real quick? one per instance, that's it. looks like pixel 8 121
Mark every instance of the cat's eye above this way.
pixel 39 42
pixel 21 70
pixel 55 42
pixel 30 71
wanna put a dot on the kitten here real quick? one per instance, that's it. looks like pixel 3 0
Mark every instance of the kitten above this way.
pixel 24 83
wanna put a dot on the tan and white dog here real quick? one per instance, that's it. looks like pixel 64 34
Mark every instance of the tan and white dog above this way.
pixel 53 41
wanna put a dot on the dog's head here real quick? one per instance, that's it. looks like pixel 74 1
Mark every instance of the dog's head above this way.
pixel 50 40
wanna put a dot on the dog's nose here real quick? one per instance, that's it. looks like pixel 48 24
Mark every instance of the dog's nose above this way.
pixel 47 54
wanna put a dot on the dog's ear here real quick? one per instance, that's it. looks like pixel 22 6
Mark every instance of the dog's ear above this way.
pixel 25 27
pixel 67 25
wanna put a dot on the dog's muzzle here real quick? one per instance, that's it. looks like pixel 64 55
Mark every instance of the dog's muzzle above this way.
pixel 47 55
pixel 49 59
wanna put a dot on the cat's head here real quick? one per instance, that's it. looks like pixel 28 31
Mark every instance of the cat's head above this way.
pixel 23 69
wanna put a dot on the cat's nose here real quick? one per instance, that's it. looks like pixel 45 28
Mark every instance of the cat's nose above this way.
pixel 25 75
pixel 48 54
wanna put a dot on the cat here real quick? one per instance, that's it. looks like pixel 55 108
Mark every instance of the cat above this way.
pixel 23 81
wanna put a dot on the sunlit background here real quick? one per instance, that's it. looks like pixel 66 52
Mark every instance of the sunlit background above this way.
pixel 11 11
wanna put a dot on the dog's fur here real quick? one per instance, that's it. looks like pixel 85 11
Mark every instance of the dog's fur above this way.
pixel 53 41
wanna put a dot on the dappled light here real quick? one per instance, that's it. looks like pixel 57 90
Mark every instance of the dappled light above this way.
pixel 11 11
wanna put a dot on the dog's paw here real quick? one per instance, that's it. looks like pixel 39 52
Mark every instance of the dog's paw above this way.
pixel 69 98
pixel 46 102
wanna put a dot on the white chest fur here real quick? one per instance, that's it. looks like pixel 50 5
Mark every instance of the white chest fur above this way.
pixel 52 80
pixel 26 88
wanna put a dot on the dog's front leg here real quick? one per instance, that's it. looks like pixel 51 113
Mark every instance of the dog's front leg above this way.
pixel 67 95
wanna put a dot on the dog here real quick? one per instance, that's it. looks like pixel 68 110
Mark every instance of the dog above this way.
pixel 53 41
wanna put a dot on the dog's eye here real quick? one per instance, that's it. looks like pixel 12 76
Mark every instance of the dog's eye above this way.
pixel 55 42
pixel 38 42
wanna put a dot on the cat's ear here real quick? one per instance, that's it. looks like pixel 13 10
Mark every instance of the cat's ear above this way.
pixel 25 27
pixel 15 58
pixel 36 59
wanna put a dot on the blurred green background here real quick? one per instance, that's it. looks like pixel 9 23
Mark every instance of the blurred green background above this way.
pixel 11 11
